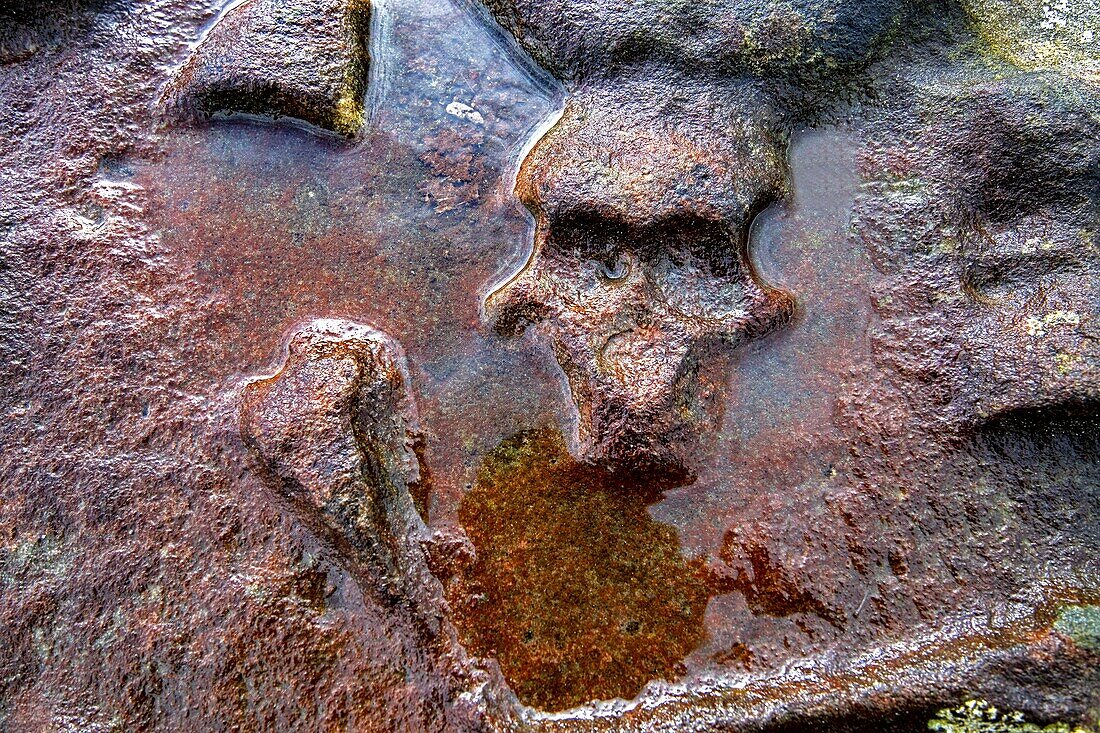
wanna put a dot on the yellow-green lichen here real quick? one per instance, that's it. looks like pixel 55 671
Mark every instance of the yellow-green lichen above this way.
pixel 347 115
pixel 1036 35
pixel 349 112
pixel 1038 327
pixel 1082 624
pixel 978 716
pixel 1065 362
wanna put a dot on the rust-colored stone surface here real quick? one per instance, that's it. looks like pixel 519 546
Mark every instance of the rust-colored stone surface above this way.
pixel 574 614
pixel 564 366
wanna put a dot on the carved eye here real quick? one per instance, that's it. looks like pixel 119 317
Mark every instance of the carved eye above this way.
pixel 615 268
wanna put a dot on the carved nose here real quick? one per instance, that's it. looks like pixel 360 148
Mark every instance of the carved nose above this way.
pixel 516 304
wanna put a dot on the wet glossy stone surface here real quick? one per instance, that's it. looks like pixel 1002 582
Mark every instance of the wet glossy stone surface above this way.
pixel 776 408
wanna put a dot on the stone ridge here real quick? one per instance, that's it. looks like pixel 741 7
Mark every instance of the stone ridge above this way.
pixel 276 58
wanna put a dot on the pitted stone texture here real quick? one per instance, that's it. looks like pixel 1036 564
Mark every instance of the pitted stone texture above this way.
pixel 729 38
pixel 152 581
pixel 981 207
pixel 281 58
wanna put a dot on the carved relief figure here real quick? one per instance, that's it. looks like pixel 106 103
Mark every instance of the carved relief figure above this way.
pixel 975 201
pixel 675 138
pixel 959 453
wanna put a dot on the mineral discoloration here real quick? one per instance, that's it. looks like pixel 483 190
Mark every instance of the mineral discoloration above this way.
pixel 574 614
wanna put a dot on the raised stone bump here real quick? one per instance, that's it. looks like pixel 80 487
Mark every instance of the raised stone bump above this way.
pixel 332 431
pixel 305 60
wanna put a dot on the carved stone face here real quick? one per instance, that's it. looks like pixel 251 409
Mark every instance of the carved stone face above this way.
pixel 899 513
pixel 640 263
pixel 644 200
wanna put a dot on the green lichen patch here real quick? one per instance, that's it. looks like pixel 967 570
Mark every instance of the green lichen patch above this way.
pixel 1082 624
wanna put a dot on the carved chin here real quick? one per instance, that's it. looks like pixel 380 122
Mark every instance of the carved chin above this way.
pixel 620 438
pixel 629 396
pixel 629 423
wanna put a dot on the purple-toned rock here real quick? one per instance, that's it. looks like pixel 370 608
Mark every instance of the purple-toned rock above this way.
pixel 280 58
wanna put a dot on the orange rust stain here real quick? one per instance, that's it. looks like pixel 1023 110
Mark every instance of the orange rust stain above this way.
pixel 576 590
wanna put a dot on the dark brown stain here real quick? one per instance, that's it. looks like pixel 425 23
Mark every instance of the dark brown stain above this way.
pixel 576 590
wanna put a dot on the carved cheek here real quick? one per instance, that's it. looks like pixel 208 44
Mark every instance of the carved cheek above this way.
pixel 734 306
pixel 593 309
pixel 522 300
